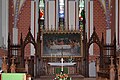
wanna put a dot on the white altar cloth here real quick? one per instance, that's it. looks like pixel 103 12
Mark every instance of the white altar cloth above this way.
pixel 61 64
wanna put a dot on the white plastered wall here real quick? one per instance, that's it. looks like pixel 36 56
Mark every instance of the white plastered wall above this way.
pixel 117 23
pixel 5 22
pixel 71 10
pixel 91 25
pixel 0 23
pixel 32 26
pixel 92 69
pixel 51 13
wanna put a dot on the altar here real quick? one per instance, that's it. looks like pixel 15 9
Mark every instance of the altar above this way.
pixel 65 67
pixel 55 64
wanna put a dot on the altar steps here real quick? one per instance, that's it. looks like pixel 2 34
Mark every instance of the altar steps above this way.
pixel 90 79
pixel 74 77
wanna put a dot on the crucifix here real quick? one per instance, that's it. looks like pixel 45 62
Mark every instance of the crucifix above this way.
pixel 62 60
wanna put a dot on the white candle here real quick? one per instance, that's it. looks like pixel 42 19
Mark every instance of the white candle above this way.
pixel 55 57
pixel 62 64
pixel 51 57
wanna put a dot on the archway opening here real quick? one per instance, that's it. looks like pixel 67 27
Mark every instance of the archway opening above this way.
pixel 94 52
pixel 29 55
pixel 29 50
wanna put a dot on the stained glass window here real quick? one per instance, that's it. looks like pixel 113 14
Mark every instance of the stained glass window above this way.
pixel 81 12
pixel 42 9
pixel 61 8
pixel 61 13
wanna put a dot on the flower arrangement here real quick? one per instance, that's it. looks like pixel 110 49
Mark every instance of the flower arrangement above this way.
pixel 62 77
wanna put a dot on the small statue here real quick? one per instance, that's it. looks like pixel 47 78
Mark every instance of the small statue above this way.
pixel 4 65
pixel 13 66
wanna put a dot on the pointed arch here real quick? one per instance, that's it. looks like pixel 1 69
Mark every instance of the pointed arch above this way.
pixel 94 39
pixel 29 39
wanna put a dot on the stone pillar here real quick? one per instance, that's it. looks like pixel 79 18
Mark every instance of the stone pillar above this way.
pixel 112 71
pixel 119 69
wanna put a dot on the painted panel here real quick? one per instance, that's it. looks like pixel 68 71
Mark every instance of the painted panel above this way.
pixel 58 44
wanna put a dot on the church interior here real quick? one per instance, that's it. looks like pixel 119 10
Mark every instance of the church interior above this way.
pixel 59 39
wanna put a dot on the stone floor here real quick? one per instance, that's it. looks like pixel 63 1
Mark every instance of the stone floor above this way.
pixel 74 77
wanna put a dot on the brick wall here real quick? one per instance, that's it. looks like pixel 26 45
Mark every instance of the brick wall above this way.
pixel 11 17
pixel 2 52
pixel 99 22
pixel 24 23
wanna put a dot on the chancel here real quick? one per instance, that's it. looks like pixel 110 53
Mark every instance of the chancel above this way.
pixel 60 39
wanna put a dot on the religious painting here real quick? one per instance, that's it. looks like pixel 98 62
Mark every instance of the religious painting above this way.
pixel 61 44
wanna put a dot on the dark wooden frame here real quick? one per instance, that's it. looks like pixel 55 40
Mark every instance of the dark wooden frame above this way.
pixel 104 72
pixel 93 39
pixel 28 39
